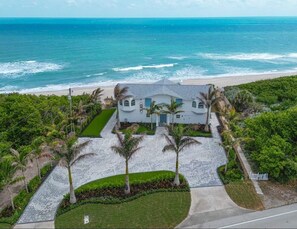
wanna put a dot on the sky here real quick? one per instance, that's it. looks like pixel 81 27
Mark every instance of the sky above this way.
pixel 147 8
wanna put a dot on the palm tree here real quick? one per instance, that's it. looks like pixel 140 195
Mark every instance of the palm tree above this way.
pixel 209 99
pixel 68 153
pixel 39 152
pixel 177 142
pixel 173 109
pixel 153 109
pixel 119 94
pixel 7 172
pixel 96 95
pixel 127 147
pixel 20 162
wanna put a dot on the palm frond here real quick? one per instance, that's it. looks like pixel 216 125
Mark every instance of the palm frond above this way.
pixel 81 157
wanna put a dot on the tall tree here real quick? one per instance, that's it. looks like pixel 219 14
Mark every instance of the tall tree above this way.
pixel 39 152
pixel 96 95
pixel 20 162
pixel 177 142
pixel 209 99
pixel 127 147
pixel 7 172
pixel 173 109
pixel 119 94
pixel 68 153
pixel 153 110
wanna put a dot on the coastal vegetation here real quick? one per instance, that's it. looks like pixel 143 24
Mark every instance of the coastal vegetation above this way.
pixel 10 215
pixel 151 193
pixel 271 130
pixel 29 128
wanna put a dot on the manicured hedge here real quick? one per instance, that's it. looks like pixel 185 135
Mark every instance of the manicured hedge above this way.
pixel 111 190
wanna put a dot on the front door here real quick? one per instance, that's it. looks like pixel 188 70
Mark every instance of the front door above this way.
pixel 163 119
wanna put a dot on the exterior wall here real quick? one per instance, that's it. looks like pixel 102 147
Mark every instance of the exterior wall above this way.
pixel 136 114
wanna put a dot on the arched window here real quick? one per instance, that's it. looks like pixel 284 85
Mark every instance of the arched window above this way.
pixel 126 103
pixel 133 102
pixel 121 102
pixel 194 104
pixel 201 105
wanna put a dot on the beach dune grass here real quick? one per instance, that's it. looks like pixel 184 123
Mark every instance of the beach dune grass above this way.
pixel 98 123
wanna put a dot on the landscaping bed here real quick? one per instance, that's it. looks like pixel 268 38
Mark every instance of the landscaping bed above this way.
pixel 7 215
pixel 143 128
pixel 97 124
pixel 153 191
pixel 197 131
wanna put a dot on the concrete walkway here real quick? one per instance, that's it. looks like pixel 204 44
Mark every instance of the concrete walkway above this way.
pixel 208 204
pixel 198 164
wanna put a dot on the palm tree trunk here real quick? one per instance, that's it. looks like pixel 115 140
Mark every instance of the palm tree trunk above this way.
pixel 38 168
pixel 151 122
pixel 176 179
pixel 172 119
pixel 118 126
pixel 207 121
pixel 71 191
pixel 127 184
pixel 11 198
pixel 25 182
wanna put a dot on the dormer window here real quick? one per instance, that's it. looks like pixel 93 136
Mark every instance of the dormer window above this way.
pixel 201 105
pixel 133 102
pixel 126 103
pixel 194 104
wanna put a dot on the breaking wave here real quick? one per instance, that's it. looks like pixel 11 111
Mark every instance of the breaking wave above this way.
pixel 247 56
pixel 20 68
pixel 141 67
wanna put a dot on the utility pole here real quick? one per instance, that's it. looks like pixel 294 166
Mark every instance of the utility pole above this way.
pixel 70 103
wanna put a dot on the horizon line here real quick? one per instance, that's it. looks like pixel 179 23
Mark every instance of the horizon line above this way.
pixel 198 17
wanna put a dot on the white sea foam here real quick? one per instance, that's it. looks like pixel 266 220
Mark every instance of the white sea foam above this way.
pixel 141 67
pixel 178 57
pixel 242 56
pixel 20 68
pixel 96 74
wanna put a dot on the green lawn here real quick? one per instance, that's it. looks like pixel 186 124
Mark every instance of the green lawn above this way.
pixel 244 195
pixel 96 126
pixel 158 210
pixel 5 226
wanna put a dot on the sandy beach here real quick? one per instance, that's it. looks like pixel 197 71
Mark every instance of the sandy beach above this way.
pixel 217 81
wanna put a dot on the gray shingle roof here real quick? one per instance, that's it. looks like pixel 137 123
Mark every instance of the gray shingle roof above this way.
pixel 165 87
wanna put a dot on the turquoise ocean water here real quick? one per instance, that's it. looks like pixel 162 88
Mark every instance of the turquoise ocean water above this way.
pixel 53 54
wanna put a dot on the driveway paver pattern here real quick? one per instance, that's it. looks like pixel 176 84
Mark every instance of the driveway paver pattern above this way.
pixel 197 163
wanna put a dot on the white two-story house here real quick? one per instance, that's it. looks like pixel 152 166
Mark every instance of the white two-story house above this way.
pixel 140 96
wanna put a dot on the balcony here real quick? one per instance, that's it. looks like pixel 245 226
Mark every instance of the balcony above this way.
pixel 127 108
pixel 199 110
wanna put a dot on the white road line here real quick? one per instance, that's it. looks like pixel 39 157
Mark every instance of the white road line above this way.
pixel 255 220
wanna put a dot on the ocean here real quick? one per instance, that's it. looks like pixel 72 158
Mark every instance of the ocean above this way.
pixel 54 54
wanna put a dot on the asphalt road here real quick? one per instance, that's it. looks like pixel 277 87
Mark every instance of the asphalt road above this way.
pixel 283 217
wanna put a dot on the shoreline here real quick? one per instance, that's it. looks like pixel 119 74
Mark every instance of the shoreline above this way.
pixel 217 81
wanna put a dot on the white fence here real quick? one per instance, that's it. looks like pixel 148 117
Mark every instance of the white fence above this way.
pixel 258 176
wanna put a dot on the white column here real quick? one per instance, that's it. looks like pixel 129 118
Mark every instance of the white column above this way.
pixel 157 120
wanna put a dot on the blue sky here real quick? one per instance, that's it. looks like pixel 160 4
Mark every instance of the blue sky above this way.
pixel 146 8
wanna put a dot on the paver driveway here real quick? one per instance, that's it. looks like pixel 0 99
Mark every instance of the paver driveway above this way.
pixel 198 164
